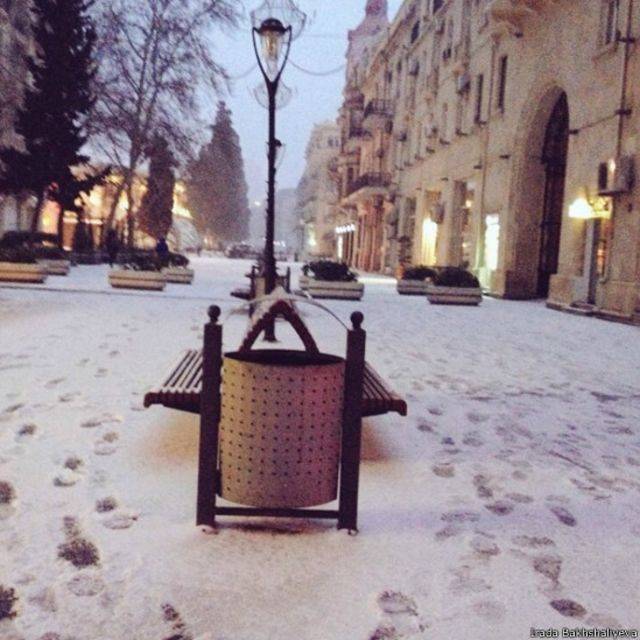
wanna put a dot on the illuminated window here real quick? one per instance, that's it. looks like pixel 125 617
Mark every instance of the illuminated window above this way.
pixel 602 249
pixel 428 249
pixel 491 241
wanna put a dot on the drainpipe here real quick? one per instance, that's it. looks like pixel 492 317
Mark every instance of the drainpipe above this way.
pixel 622 113
pixel 485 159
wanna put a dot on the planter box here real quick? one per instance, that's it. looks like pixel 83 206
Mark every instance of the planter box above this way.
pixel 56 267
pixel 130 279
pixel 412 287
pixel 178 275
pixel 454 295
pixel 335 290
pixel 19 272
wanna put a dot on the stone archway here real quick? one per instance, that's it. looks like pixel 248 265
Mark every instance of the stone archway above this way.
pixel 537 194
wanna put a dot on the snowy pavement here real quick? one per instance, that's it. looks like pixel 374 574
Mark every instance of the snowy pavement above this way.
pixel 508 499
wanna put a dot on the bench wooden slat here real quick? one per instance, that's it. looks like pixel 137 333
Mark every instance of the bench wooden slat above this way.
pixel 182 387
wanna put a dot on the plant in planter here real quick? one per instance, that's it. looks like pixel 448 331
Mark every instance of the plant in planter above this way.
pixel 53 259
pixel 454 285
pixel 415 280
pixel 139 270
pixel 18 264
pixel 43 247
pixel 177 270
pixel 333 280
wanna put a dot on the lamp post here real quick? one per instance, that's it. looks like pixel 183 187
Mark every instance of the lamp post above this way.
pixel 276 23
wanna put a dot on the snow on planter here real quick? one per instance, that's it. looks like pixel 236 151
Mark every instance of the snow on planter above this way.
pixel 22 272
pixel 415 280
pixel 337 290
pixel 453 285
pixel 178 275
pixel 55 267
pixel 131 279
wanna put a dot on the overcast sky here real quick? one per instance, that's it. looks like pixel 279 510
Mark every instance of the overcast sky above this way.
pixel 321 48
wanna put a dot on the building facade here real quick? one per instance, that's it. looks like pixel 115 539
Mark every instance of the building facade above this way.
pixel 317 192
pixel 15 43
pixel 502 135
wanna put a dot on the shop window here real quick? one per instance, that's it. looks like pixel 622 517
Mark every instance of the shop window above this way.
pixel 429 242
pixel 491 241
pixel 602 249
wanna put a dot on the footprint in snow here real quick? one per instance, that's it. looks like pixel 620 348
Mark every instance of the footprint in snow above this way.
pixel 399 617
pixel 435 411
pixel 119 520
pixel 500 507
pixel 485 546
pixel 86 585
pixel 66 478
pixel 460 516
pixel 533 542
pixel 26 432
pixel 477 418
pixel 490 610
pixel 564 515
pixel 568 608
pixel 548 565
pixel 445 470
pixel 54 383
pixel 174 619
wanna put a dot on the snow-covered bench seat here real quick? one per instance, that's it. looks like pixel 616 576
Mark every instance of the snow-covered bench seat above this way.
pixel 181 389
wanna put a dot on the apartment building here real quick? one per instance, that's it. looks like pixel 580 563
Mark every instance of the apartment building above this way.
pixel 502 135
pixel 317 192
pixel 14 43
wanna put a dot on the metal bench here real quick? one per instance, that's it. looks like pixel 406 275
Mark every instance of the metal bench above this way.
pixel 181 389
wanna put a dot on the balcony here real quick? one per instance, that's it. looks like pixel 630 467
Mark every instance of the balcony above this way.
pixel 368 185
pixel 507 16
pixel 378 108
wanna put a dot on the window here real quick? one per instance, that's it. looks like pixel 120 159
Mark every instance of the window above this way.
pixel 608 22
pixel 502 82
pixel 415 32
pixel 477 118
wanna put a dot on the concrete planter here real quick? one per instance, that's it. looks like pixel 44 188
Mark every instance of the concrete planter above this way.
pixel 178 275
pixel 20 272
pixel 335 290
pixel 130 279
pixel 412 287
pixel 56 267
pixel 469 296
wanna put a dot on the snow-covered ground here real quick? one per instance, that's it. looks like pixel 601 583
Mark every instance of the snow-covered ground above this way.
pixel 508 499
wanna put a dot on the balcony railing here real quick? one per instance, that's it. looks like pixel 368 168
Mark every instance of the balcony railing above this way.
pixel 378 108
pixel 379 180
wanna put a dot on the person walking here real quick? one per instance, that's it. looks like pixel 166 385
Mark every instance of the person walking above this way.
pixel 162 251
pixel 112 244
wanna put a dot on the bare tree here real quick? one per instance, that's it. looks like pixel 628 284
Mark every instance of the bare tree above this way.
pixel 154 56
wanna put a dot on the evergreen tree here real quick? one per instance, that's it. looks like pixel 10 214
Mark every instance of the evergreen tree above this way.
pixel 216 187
pixel 53 116
pixel 156 211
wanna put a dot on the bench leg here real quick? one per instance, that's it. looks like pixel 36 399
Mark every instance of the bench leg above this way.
pixel 209 420
pixel 352 426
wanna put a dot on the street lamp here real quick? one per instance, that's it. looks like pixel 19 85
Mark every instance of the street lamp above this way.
pixel 276 23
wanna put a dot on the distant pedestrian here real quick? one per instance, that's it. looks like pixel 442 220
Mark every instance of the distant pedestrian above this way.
pixel 112 245
pixel 162 251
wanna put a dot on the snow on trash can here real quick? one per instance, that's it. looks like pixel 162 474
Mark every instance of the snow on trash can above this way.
pixel 281 426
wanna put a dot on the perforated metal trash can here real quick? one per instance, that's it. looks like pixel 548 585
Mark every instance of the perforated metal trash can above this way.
pixel 280 428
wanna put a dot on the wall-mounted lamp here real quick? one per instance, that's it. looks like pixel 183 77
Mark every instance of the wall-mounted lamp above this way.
pixel 589 208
